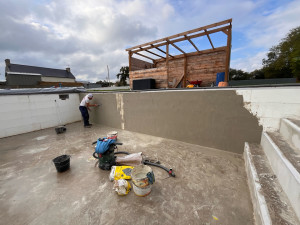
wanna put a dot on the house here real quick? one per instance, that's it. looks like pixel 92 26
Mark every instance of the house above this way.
pixel 33 76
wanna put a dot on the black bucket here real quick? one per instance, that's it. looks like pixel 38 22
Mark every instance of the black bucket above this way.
pixel 62 163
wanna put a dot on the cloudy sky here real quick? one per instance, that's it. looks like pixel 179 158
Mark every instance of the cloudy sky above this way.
pixel 91 34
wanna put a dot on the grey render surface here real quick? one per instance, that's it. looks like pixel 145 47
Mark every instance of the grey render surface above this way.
pixel 215 119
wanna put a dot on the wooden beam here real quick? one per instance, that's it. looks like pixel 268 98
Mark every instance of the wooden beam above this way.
pixel 155 54
pixel 167 64
pixel 180 79
pixel 175 46
pixel 183 38
pixel 162 51
pixel 143 56
pixel 228 50
pixel 187 38
pixel 225 32
pixel 209 39
pixel 196 53
pixel 129 56
pixel 182 34
pixel 185 72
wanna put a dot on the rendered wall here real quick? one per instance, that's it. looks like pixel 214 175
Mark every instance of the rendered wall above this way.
pixel 26 113
pixel 212 118
pixel 271 104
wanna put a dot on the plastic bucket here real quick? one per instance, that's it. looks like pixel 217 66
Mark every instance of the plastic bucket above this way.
pixel 142 192
pixel 62 163
pixel 223 84
pixel 142 178
pixel 112 135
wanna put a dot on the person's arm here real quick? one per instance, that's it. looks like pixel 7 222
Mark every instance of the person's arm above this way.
pixel 91 105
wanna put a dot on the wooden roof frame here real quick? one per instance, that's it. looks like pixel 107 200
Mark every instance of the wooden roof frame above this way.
pixel 223 26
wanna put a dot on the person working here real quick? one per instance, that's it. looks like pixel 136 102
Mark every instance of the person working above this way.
pixel 84 107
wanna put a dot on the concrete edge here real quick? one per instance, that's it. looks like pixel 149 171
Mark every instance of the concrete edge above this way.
pixel 286 162
pixel 287 175
pixel 293 125
pixel 260 209
pixel 285 126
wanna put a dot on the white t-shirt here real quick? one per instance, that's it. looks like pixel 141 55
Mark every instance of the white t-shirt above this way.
pixel 84 101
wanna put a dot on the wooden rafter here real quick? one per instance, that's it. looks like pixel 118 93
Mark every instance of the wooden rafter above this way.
pixel 155 54
pixel 196 53
pixel 183 33
pixel 144 56
pixel 183 38
pixel 179 49
pixel 225 32
pixel 187 38
pixel 162 51
pixel 209 39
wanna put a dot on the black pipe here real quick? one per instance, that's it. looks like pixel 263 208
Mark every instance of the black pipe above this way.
pixel 170 171
pixel 120 152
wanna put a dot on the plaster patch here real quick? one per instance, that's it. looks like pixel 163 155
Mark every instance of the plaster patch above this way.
pixel 102 187
pixel 41 138
pixel 120 107
pixel 36 150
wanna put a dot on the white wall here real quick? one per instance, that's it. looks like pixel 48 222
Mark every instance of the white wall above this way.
pixel 25 113
pixel 57 79
pixel 271 104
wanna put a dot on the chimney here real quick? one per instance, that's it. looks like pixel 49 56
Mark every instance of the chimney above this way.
pixel 68 69
pixel 7 62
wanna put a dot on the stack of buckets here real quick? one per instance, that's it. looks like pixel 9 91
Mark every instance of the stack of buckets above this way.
pixel 142 179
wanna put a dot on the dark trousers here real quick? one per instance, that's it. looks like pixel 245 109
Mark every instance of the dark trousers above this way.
pixel 85 115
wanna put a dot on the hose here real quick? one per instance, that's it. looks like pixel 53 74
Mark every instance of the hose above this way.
pixel 146 162
pixel 170 171
pixel 120 152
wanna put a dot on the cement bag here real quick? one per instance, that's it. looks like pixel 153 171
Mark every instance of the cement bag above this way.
pixel 134 159
pixel 120 172
pixel 122 187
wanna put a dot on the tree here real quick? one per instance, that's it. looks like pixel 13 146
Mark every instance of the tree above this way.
pixel 123 75
pixel 257 74
pixel 235 74
pixel 283 60
pixel 103 83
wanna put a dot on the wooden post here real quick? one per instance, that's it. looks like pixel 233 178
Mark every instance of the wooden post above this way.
pixel 228 50
pixel 167 63
pixel 184 72
pixel 129 55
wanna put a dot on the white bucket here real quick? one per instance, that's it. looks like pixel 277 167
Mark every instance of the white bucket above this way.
pixel 142 179
pixel 112 135
pixel 142 192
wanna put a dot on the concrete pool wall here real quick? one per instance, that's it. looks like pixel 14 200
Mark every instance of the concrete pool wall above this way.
pixel 210 118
